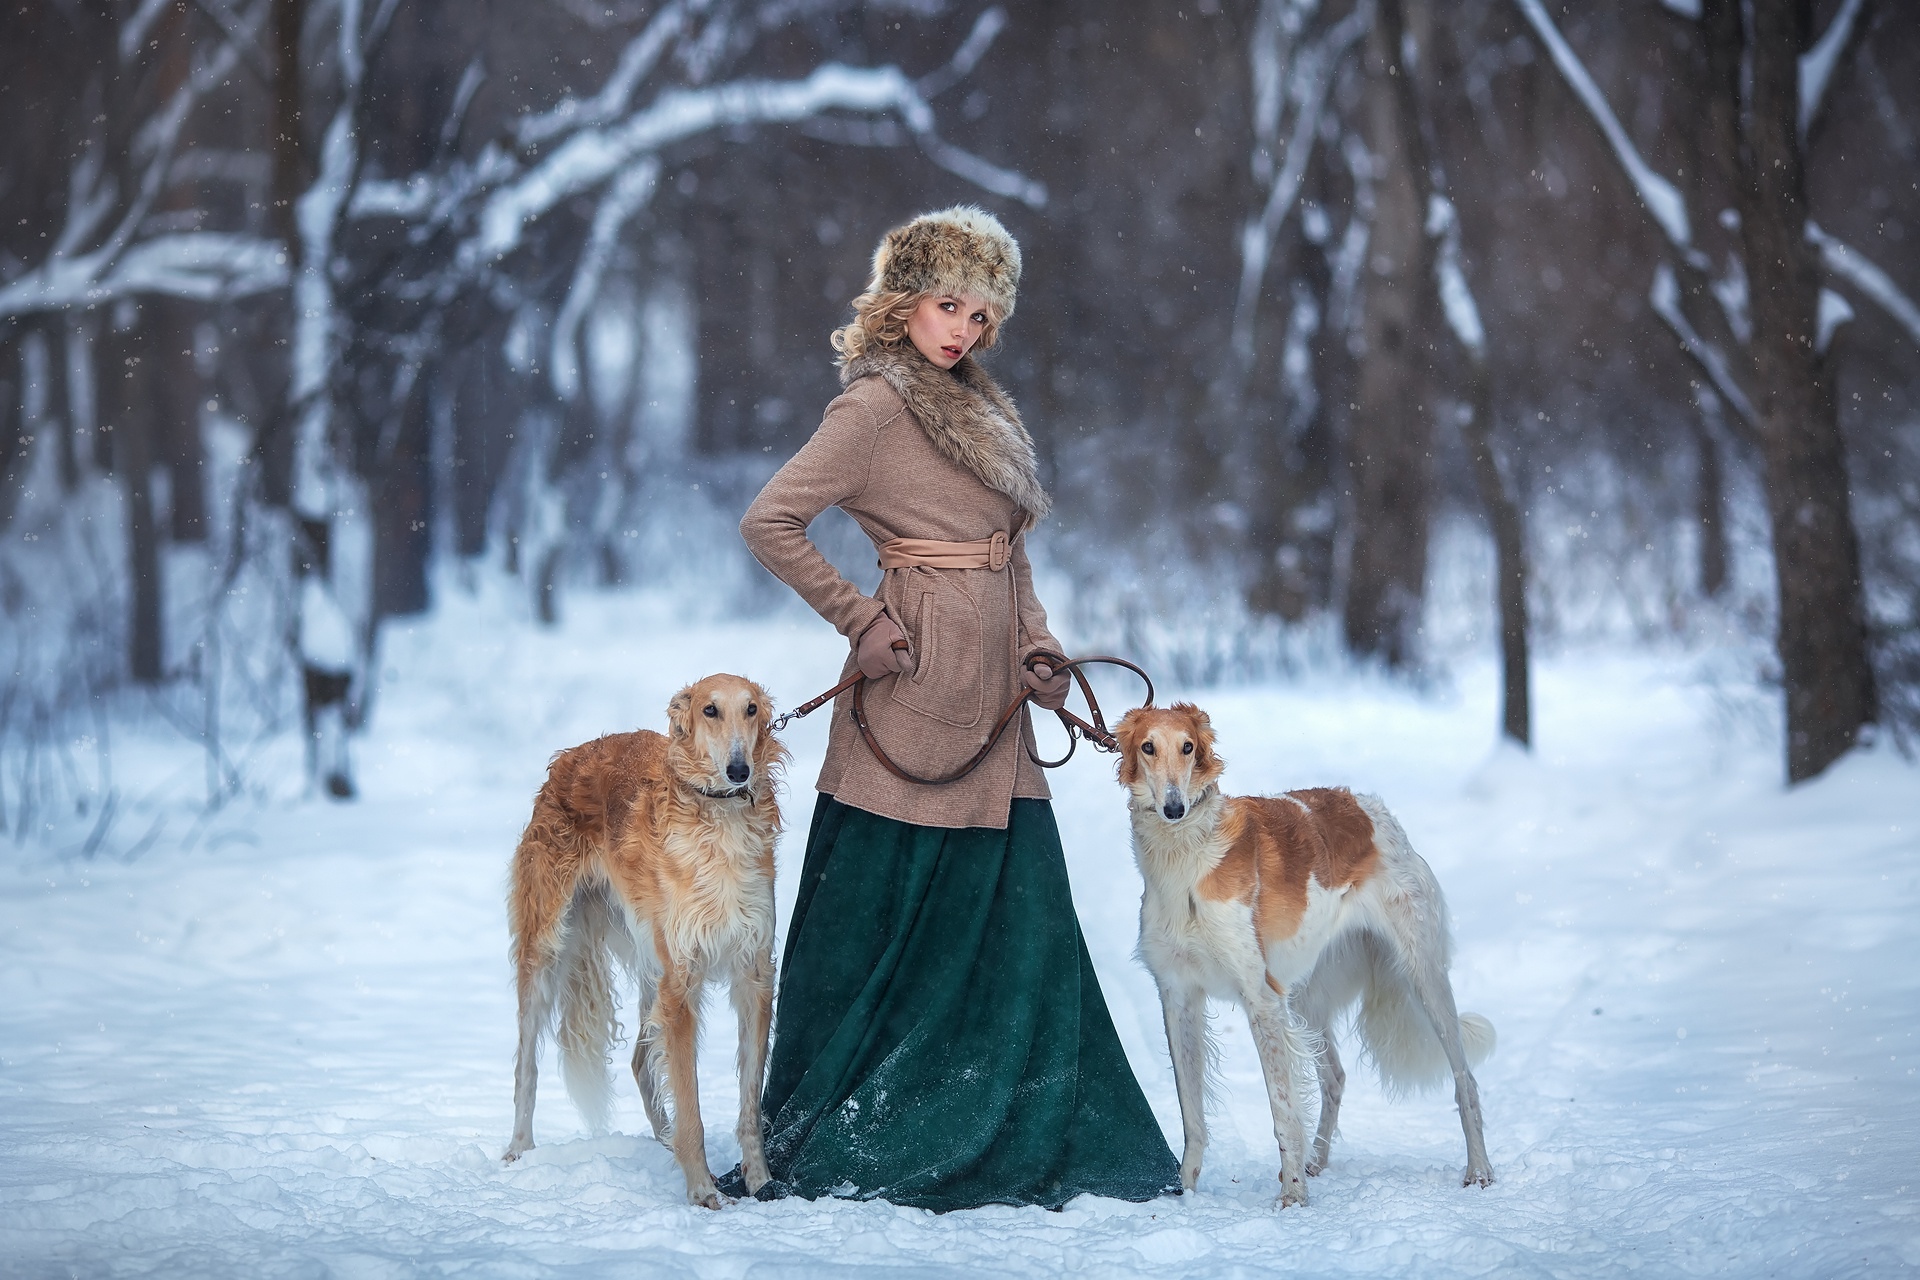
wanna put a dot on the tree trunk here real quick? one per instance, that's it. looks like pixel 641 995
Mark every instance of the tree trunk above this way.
pixel 178 384
pixel 129 396
pixel 13 423
pixel 1509 558
pixel 1504 518
pixel 1709 496
pixel 1822 630
pixel 1390 435
pixel 60 415
pixel 402 531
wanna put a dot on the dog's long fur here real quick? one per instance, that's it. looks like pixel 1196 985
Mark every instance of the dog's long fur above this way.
pixel 657 853
pixel 1293 907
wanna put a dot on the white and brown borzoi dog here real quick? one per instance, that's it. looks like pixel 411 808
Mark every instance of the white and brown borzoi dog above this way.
pixel 1293 907
pixel 655 852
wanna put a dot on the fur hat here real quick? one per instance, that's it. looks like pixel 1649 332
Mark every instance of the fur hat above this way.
pixel 959 250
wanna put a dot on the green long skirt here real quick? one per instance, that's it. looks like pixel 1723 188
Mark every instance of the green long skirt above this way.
pixel 940 1038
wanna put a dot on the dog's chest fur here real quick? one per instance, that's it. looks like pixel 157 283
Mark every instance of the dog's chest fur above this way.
pixel 1185 937
pixel 715 905
pixel 1192 933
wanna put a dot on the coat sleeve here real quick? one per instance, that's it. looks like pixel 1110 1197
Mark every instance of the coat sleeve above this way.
pixel 1033 617
pixel 830 469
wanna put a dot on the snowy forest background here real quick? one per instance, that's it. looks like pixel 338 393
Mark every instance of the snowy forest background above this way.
pixel 1364 327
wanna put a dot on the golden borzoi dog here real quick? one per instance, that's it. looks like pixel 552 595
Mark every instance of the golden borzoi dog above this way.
pixel 656 852
pixel 1293 907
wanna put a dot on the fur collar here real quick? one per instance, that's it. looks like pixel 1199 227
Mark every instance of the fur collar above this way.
pixel 966 415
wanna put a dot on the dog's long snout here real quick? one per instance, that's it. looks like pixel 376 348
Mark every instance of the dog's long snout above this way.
pixel 1173 806
pixel 738 770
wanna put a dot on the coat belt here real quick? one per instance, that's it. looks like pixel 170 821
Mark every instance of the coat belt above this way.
pixel 986 553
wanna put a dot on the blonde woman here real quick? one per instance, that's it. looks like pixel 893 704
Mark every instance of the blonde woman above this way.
pixel 940 1038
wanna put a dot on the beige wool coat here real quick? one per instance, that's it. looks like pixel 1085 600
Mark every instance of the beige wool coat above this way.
pixel 914 451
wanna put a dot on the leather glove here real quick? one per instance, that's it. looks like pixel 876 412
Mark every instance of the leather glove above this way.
pixel 1049 687
pixel 875 653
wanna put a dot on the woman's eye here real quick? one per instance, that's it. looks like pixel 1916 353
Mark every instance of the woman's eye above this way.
pixel 1186 748
pixel 753 708
pixel 978 318
pixel 948 306
pixel 710 711
pixel 1146 748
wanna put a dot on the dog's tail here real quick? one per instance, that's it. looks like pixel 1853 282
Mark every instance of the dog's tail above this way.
pixel 588 1006
pixel 1406 1051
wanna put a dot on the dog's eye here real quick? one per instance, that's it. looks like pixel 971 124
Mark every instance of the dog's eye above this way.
pixel 1146 748
pixel 1186 748
pixel 753 708
pixel 710 711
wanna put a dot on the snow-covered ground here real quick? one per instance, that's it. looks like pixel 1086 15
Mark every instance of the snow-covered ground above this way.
pixel 286 1050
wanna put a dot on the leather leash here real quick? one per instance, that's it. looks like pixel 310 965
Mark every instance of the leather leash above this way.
pixel 1095 732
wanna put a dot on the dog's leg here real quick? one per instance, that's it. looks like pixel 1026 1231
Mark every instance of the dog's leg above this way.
pixel 1333 1086
pixel 753 1001
pixel 536 1004
pixel 1272 1036
pixel 1435 994
pixel 1418 931
pixel 645 1041
pixel 677 1011
pixel 1185 1010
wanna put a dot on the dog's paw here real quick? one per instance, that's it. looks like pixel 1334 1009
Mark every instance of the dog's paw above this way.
pixel 709 1198
pixel 515 1151
pixel 1477 1176
pixel 1315 1168
pixel 1189 1174
pixel 1293 1191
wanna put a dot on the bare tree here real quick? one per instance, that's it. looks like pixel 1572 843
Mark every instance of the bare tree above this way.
pixel 1772 301
pixel 1451 303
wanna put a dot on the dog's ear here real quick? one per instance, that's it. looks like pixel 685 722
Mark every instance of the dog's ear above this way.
pixel 679 712
pixel 1127 734
pixel 767 749
pixel 1207 760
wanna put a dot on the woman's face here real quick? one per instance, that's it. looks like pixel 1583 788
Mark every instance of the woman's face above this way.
pixel 943 328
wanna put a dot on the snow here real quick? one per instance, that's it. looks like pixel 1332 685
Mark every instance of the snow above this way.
pixel 284 1046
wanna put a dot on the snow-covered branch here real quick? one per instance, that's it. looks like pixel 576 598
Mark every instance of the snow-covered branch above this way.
pixel 1456 297
pixel 627 195
pixel 1850 265
pixel 985 28
pixel 1312 77
pixel 69 277
pixel 204 266
pixel 1817 64
pixel 592 156
pixel 1661 198
pixel 1665 297
pixel 637 61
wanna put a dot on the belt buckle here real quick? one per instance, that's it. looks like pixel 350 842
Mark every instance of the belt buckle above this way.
pixel 997 550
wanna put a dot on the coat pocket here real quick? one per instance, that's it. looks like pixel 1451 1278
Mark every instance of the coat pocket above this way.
pixel 949 643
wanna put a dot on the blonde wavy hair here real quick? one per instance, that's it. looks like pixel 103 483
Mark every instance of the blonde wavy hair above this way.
pixel 880 320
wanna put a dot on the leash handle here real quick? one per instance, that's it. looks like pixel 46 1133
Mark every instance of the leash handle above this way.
pixel 1095 732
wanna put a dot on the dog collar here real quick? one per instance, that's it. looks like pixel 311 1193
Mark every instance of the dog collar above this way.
pixel 733 793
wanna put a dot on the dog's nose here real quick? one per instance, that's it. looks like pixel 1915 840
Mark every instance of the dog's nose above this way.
pixel 737 769
pixel 1173 806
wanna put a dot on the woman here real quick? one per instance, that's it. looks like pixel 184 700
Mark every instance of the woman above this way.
pixel 940 1038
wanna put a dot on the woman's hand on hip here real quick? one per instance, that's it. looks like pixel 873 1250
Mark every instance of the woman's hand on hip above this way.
pixel 1049 687
pixel 875 653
